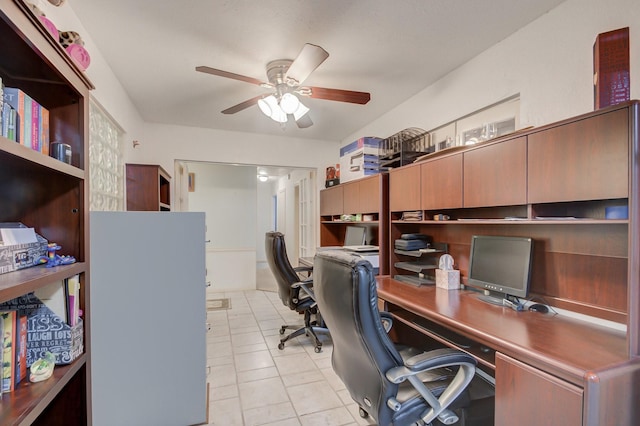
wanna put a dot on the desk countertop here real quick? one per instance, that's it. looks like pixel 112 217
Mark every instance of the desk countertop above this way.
pixel 560 345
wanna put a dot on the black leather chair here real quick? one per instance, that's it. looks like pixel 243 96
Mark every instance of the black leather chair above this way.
pixel 396 386
pixel 294 290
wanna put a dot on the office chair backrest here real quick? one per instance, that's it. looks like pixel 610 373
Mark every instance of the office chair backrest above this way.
pixel 345 290
pixel 282 270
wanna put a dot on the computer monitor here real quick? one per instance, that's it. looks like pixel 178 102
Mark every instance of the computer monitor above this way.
pixel 355 236
pixel 501 264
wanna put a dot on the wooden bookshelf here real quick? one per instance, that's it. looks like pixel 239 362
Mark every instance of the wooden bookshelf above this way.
pixel 148 188
pixel 50 196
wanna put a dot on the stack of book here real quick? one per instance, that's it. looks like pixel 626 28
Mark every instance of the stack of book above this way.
pixel 24 120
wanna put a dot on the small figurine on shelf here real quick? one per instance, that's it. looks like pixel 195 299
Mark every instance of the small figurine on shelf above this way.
pixel 52 259
pixel 42 368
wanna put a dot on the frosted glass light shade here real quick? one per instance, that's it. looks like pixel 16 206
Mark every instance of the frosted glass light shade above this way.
pixel 289 103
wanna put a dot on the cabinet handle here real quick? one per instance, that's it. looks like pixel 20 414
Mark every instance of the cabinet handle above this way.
pixel 208 284
pixel 208 327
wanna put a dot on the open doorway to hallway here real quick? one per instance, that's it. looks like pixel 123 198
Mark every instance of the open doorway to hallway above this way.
pixel 243 202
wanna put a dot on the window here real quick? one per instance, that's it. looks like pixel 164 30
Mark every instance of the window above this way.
pixel 106 161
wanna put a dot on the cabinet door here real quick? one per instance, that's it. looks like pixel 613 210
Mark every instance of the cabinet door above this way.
pixel 331 201
pixel 496 175
pixel 584 160
pixel 369 194
pixel 528 396
pixel 351 198
pixel 148 318
pixel 404 188
pixel 441 183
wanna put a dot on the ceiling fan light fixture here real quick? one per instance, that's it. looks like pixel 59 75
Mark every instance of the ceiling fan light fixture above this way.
pixel 289 103
pixel 269 107
pixel 300 111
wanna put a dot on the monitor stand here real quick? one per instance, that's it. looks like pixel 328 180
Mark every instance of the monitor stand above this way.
pixel 498 301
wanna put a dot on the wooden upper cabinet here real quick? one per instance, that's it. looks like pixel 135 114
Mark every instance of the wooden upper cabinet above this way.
pixel 404 188
pixel 351 198
pixel 331 201
pixel 441 183
pixel 496 175
pixel 583 160
pixel 369 194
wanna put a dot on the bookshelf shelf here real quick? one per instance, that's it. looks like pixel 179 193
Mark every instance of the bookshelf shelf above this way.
pixel 50 196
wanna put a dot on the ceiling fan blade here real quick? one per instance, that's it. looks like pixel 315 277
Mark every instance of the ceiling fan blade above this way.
pixel 227 74
pixel 243 105
pixel 309 58
pixel 304 122
pixel 338 95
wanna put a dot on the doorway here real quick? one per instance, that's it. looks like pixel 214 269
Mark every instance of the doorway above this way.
pixel 241 205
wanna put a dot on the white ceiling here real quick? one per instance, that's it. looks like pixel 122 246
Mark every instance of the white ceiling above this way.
pixel 392 49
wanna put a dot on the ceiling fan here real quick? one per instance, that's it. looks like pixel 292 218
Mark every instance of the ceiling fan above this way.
pixel 285 78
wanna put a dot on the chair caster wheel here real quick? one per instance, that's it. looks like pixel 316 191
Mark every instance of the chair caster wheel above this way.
pixel 317 349
pixel 281 346
pixel 363 413
pixel 282 330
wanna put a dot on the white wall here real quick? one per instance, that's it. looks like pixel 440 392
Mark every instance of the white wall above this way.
pixel 549 63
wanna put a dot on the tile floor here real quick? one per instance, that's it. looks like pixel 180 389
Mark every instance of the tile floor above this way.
pixel 251 382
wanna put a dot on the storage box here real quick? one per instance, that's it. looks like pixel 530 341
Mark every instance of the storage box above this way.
pixel 46 331
pixel 21 256
pixel 359 158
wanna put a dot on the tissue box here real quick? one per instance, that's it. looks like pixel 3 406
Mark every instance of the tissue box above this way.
pixel 449 280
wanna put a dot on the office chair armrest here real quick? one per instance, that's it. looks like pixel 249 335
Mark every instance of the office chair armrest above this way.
pixel 307 287
pixel 387 320
pixel 428 361
pixel 303 269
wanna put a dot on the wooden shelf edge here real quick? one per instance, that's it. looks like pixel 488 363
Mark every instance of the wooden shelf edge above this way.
pixel 515 222
pixel 27 154
pixel 23 281
pixel 29 400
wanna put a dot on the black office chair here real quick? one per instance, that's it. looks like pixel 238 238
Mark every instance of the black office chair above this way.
pixel 294 291
pixel 396 386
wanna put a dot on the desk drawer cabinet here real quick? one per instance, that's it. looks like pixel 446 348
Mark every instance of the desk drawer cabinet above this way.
pixel 528 396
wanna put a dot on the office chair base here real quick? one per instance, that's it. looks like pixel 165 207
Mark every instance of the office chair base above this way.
pixel 308 331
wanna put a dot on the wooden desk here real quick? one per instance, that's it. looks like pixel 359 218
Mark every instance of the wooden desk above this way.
pixel 549 369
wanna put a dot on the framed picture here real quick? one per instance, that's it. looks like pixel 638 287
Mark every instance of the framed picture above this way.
pixel 192 182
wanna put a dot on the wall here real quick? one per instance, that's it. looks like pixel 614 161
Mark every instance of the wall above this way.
pixel 227 194
pixel 549 63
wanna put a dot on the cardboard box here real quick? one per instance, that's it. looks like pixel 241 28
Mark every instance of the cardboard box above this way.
pixel 46 331
pixel 369 145
pixel 359 158
pixel 21 256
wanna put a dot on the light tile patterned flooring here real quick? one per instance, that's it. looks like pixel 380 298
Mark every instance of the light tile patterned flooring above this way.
pixel 253 383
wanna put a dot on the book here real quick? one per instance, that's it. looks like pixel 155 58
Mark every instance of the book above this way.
pixel 54 296
pixel 35 125
pixel 8 350
pixel 44 130
pixel 73 298
pixel 16 98
pixel 21 347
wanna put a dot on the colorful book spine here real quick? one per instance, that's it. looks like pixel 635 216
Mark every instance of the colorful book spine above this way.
pixel 8 351
pixel 21 349
pixel 44 126
pixel 16 98
pixel 25 127
pixel 35 125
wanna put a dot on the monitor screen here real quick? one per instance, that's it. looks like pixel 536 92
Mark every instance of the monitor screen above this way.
pixel 501 264
pixel 354 236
